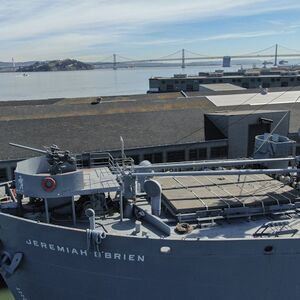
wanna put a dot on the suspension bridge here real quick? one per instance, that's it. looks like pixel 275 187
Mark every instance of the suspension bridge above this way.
pixel 274 52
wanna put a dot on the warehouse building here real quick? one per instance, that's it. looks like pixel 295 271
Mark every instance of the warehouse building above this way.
pixel 245 79
pixel 158 128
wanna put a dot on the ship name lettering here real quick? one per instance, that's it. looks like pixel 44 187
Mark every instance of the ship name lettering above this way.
pixel 51 247
pixel 74 251
pixel 60 249
pixel 83 252
pixel 141 258
pixel 43 245
pixel 106 255
pixel 131 257
pixel 119 256
pixel 20 292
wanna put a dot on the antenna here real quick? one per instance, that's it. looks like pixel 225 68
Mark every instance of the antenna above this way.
pixel 122 147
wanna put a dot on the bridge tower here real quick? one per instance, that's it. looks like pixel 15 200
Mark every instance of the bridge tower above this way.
pixel 182 59
pixel 276 55
pixel 13 64
pixel 115 62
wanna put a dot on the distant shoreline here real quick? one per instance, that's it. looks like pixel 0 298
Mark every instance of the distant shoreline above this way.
pixel 119 67
pixel 109 66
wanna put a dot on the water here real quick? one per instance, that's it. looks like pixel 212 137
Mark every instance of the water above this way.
pixel 6 295
pixel 44 85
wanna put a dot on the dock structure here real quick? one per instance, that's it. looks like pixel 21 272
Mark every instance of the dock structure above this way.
pixel 159 128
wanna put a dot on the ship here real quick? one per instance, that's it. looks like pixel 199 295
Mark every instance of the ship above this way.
pixel 109 229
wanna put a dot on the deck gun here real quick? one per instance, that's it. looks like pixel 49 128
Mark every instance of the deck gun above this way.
pixel 60 161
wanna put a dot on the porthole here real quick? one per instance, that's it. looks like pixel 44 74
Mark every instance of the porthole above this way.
pixel 268 249
pixel 165 250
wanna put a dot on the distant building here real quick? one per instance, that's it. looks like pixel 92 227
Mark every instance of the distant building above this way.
pixel 226 61
pixel 249 79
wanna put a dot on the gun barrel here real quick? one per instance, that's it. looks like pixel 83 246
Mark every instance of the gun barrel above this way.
pixel 29 148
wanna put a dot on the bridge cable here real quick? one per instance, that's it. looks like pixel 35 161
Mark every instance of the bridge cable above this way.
pixel 258 51
pixel 126 58
pixel 166 56
pixel 290 49
pixel 162 57
pixel 198 54
pixel 106 59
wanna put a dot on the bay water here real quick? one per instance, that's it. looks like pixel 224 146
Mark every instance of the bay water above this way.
pixel 100 82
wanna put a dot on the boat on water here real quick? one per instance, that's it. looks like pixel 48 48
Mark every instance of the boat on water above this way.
pixel 98 227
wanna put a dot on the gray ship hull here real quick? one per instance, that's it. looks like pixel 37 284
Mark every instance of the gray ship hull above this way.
pixel 57 265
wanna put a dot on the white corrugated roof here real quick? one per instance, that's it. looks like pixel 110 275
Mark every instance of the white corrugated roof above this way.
pixel 222 87
pixel 255 99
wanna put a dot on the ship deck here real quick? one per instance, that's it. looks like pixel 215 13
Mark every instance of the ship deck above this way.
pixel 221 208
pixel 100 178
pixel 286 225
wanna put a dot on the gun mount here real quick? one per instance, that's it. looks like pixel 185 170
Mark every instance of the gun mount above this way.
pixel 60 161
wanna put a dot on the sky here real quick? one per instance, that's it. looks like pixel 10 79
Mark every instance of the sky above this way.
pixel 92 30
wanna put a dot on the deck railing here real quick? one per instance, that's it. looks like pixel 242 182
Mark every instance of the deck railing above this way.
pixel 103 159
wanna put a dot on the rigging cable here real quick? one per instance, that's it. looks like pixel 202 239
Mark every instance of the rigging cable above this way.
pixel 243 117
pixel 271 133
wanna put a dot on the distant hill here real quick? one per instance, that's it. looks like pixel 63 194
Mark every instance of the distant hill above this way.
pixel 56 65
